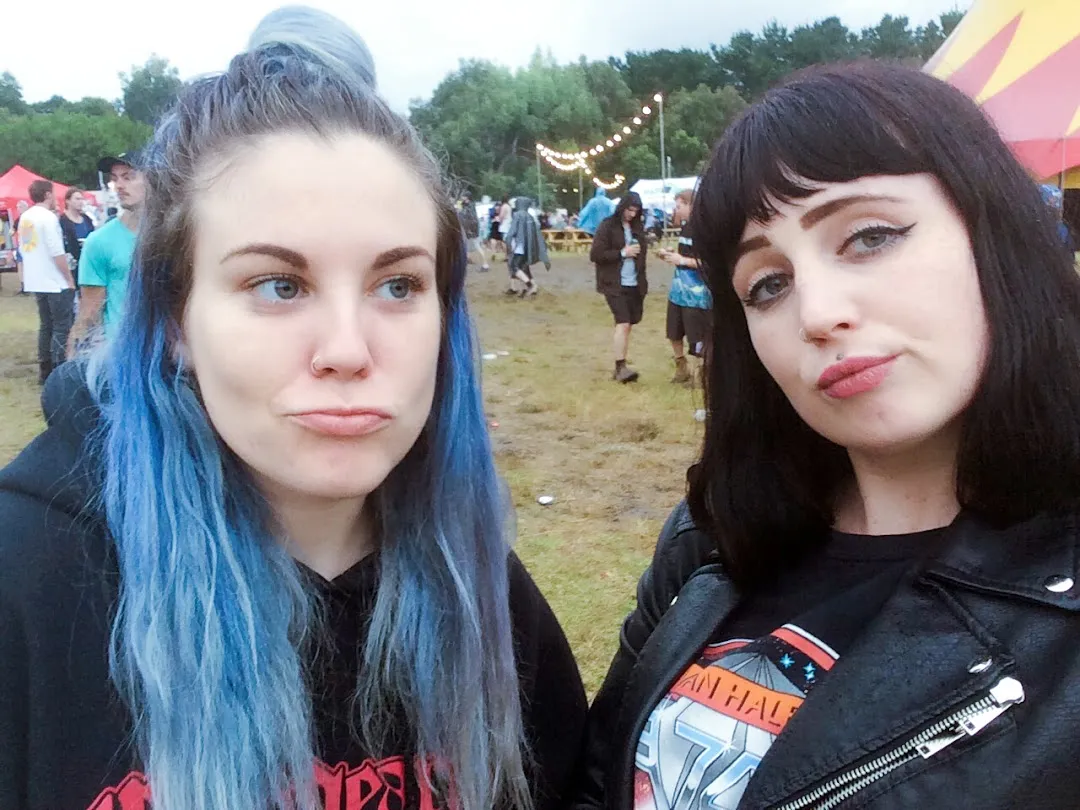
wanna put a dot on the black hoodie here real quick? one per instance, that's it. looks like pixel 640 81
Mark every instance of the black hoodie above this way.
pixel 65 735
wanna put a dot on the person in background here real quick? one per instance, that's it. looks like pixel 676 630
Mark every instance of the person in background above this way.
pixel 76 226
pixel 871 598
pixel 47 274
pixel 618 251
pixel 595 211
pixel 526 247
pixel 470 224
pixel 506 214
pixel 689 301
pixel 107 254
pixel 258 560
pixel 20 208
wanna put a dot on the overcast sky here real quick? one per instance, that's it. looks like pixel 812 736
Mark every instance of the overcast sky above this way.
pixel 76 48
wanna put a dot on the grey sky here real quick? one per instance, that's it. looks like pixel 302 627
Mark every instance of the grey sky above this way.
pixel 77 48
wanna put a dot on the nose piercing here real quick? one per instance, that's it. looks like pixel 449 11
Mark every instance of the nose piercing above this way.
pixel 803 337
pixel 315 365
pixel 839 357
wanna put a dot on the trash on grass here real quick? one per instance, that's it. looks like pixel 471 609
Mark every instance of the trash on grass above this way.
pixel 546 500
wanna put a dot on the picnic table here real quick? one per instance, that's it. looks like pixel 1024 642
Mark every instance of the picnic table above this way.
pixel 572 240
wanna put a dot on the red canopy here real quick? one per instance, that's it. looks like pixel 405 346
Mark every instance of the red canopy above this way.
pixel 15 184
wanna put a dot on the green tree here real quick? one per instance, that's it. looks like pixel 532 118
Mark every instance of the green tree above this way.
pixel 150 89
pixel 11 97
pixel 648 72
pixel 65 146
pixel 695 121
pixel 92 105
pixel 754 63
pixel 892 38
pixel 51 105
pixel 827 40
pixel 636 162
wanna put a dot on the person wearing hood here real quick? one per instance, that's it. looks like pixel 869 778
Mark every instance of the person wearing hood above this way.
pixel 260 557
pixel 526 247
pixel 619 256
pixel 595 211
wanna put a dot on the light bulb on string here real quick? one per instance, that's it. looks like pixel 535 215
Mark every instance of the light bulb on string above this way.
pixel 647 110
pixel 610 142
pixel 618 137
pixel 658 98
pixel 637 120
pixel 626 130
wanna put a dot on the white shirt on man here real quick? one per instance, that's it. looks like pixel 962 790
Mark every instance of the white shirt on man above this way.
pixel 40 242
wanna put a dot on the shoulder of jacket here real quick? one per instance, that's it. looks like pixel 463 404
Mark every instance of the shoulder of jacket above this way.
pixel 681 549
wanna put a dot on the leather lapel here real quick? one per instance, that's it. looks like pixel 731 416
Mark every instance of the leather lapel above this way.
pixel 705 601
pixel 911 665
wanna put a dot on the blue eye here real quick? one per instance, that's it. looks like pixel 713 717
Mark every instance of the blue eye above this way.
pixel 399 288
pixel 766 290
pixel 278 289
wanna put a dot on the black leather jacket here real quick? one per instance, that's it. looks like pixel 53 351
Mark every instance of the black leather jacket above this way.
pixel 924 701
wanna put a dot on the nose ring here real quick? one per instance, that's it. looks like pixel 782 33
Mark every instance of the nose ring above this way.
pixel 316 367
pixel 803 337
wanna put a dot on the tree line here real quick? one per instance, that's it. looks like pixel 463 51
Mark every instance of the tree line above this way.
pixel 63 140
pixel 483 120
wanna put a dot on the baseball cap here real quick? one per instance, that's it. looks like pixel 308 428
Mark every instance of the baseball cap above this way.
pixel 107 164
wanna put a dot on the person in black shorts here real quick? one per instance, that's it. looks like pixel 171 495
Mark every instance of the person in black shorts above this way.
pixel 619 256
pixel 689 302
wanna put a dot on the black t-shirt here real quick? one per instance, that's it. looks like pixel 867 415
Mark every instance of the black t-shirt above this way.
pixel 762 664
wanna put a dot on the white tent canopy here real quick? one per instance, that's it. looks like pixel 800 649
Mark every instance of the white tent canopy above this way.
pixel 660 193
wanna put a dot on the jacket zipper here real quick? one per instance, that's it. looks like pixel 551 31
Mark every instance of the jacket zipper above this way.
pixel 966 722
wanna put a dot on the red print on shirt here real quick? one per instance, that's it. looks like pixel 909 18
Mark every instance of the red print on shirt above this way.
pixel 374 785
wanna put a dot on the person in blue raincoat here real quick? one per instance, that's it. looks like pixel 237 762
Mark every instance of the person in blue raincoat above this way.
pixel 595 211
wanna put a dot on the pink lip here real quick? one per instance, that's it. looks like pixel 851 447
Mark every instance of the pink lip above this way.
pixel 343 421
pixel 853 376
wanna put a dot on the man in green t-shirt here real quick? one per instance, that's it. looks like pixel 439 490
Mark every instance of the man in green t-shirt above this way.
pixel 108 253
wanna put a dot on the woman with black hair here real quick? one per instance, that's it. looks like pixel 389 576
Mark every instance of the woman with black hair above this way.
pixel 618 251
pixel 870 597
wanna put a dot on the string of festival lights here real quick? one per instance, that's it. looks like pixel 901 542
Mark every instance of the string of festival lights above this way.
pixel 574 161
pixel 618 181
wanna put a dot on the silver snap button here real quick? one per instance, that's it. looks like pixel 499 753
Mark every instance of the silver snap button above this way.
pixel 1058 584
pixel 980 666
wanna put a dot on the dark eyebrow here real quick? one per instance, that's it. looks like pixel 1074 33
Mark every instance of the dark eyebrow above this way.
pixel 750 245
pixel 385 259
pixel 388 258
pixel 825 210
pixel 273 251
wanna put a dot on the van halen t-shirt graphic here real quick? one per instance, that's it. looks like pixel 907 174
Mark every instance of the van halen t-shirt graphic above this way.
pixel 374 785
pixel 705 739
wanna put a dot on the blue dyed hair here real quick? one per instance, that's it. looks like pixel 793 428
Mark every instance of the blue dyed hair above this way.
pixel 214 624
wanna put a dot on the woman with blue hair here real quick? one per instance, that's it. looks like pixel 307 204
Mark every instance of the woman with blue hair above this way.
pixel 257 559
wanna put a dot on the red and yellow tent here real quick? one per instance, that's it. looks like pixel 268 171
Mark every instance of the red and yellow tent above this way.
pixel 1020 60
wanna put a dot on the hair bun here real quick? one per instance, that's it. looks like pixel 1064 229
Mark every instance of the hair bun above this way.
pixel 322 34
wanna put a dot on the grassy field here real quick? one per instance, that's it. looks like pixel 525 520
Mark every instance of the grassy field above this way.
pixel 614 457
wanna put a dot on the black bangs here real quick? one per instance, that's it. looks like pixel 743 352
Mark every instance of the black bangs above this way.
pixel 831 124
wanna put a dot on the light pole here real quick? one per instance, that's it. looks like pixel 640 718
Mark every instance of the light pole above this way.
pixel 539 194
pixel 659 99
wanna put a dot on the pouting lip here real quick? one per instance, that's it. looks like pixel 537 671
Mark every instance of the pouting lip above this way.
pixel 342 412
pixel 846 368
